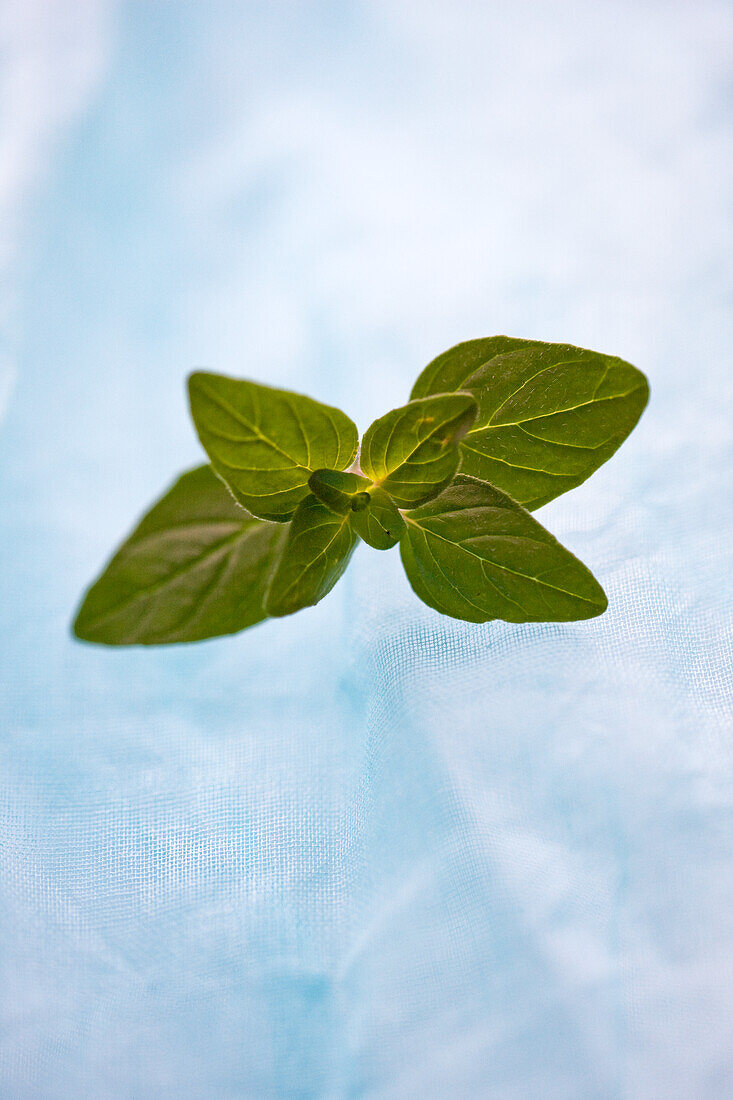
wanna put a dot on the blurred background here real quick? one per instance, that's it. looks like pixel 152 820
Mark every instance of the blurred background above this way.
pixel 366 851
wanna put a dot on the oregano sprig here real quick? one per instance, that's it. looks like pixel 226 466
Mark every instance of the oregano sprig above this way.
pixel 494 428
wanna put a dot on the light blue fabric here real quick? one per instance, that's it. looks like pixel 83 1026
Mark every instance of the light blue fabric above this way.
pixel 366 851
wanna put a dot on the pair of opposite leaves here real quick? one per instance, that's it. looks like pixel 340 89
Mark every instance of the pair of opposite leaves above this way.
pixel 494 428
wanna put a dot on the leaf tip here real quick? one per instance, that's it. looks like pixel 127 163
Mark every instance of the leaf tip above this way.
pixel 195 381
pixel 598 603
pixel 82 628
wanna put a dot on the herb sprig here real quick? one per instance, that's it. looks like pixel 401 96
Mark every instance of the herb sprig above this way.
pixel 494 428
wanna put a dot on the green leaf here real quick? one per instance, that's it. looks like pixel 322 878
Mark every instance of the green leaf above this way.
pixel 549 414
pixel 196 566
pixel 412 452
pixel 378 522
pixel 474 553
pixel 371 512
pixel 339 491
pixel 265 443
pixel 316 553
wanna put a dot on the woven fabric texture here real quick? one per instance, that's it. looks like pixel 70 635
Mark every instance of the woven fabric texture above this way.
pixel 365 851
